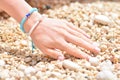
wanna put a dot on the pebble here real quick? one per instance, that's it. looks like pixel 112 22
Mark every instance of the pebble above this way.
pixel 12 44
pixel 30 70
pixel 13 73
pixel 4 74
pixel 51 67
pixel 59 64
pixel 87 65
pixel 24 43
pixel 94 61
pixel 12 78
pixel 103 48
pixel 102 19
pixel 21 74
pixel 39 74
pixel 106 75
pixel 106 65
pixel 22 67
pixel 114 15
pixel 70 65
pixel 69 78
pixel 33 78
pixel 2 63
pixel 56 74
pixel 52 79
pixel 6 53
pixel 28 59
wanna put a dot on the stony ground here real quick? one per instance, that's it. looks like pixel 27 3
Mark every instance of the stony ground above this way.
pixel 100 20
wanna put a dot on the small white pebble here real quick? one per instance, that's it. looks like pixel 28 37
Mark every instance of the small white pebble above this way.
pixel 33 78
pixel 105 75
pixel 30 70
pixel 4 74
pixel 12 78
pixel 48 73
pixel 2 62
pixel 114 15
pixel 39 74
pixel 24 43
pixel 22 67
pixel 69 78
pixel 56 74
pixel 51 67
pixel 28 59
pixel 94 61
pixel 6 52
pixel 52 79
pixel 70 65
pixel 106 65
pixel 87 65
pixel 102 19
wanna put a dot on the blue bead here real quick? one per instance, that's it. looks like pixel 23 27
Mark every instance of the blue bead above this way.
pixel 27 15
pixel 25 18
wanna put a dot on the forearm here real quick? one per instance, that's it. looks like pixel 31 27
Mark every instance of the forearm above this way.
pixel 18 9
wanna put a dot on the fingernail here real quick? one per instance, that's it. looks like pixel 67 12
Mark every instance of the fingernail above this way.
pixel 97 49
pixel 60 58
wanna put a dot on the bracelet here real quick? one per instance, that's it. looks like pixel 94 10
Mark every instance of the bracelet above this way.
pixel 25 18
pixel 34 26
pixel 32 29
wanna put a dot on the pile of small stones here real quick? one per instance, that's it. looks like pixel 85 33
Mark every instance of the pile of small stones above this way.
pixel 101 20
pixel 44 5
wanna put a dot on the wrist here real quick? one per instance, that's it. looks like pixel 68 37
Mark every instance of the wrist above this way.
pixel 34 17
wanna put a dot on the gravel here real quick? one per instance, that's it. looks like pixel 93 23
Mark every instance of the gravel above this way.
pixel 101 20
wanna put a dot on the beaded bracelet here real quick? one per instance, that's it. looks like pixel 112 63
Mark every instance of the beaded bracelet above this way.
pixel 26 17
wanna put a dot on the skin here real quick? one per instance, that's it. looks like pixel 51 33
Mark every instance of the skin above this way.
pixel 51 36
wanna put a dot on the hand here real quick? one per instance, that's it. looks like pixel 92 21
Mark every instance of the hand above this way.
pixel 52 35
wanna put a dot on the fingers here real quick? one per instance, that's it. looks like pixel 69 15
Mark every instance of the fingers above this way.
pixel 70 49
pixel 82 43
pixel 76 29
pixel 54 53
pixel 78 34
pixel 64 46
pixel 80 38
